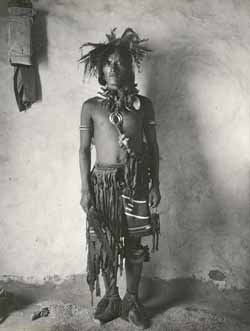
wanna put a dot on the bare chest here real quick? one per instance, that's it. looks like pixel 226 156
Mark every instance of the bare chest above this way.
pixel 131 121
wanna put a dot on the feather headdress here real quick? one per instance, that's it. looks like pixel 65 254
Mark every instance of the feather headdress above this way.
pixel 129 40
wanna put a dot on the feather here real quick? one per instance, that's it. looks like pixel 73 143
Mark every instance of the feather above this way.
pixel 112 36
pixel 129 39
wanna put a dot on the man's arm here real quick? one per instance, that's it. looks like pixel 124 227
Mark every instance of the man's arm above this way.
pixel 86 132
pixel 151 138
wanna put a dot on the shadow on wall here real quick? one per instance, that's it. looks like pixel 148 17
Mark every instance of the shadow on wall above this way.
pixel 183 172
pixel 190 208
pixel 40 46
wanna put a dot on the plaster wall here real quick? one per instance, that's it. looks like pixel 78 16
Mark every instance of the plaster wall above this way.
pixel 198 79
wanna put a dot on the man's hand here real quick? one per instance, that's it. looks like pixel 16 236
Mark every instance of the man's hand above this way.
pixel 154 197
pixel 86 200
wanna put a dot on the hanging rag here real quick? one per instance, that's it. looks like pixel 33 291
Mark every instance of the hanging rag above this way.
pixel 24 86
pixel 21 15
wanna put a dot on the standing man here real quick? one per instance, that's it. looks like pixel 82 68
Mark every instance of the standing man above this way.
pixel 124 182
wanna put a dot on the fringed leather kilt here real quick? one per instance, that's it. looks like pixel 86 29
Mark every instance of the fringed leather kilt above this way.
pixel 120 193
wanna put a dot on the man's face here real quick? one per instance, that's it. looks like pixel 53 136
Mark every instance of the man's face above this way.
pixel 116 71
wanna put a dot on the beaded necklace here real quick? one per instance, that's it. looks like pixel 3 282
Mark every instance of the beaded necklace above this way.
pixel 116 101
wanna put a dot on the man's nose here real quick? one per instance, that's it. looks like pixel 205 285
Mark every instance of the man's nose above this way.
pixel 114 67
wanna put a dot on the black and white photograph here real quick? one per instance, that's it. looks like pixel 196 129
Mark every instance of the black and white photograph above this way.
pixel 124 165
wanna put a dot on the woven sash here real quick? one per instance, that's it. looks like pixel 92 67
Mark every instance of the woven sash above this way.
pixel 137 216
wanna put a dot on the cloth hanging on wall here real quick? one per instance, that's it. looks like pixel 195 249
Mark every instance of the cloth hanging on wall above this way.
pixel 25 86
pixel 21 15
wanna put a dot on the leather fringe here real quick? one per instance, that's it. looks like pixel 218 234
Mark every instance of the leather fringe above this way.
pixel 105 226
pixel 104 230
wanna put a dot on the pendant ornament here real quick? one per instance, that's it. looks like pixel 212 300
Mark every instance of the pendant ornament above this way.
pixel 118 101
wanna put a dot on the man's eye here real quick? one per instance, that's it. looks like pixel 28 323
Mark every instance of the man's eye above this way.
pixel 107 62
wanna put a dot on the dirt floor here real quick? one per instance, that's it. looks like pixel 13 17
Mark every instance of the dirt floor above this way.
pixel 177 305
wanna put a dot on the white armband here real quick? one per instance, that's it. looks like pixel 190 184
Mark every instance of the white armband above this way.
pixel 151 123
pixel 84 127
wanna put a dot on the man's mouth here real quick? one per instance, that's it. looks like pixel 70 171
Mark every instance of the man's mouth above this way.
pixel 116 75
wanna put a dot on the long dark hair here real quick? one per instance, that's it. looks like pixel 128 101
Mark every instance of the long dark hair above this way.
pixel 130 46
pixel 124 54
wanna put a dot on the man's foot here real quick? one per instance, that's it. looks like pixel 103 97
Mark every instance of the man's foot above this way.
pixel 109 308
pixel 101 306
pixel 133 311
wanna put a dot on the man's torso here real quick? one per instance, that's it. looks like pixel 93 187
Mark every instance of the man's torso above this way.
pixel 106 135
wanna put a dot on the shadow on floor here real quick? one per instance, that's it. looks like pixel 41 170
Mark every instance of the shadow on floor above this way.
pixel 190 295
pixel 159 296
pixel 10 302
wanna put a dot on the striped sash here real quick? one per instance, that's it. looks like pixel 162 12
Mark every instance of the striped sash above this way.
pixel 137 216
